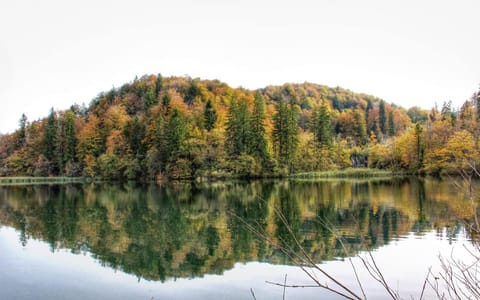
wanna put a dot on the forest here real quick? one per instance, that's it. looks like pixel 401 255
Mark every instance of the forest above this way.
pixel 159 128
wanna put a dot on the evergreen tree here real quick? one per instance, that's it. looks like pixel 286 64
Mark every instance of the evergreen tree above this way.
pixel 150 98
pixel 209 115
pixel 361 127
pixel 322 127
pixel 391 124
pixel 238 129
pixel 49 136
pixel 166 102
pixel 192 92
pixel 136 133
pixel 382 118
pixel 176 134
pixel 70 137
pixel 59 146
pixel 158 85
pixel 258 133
pixel 22 133
pixel 285 133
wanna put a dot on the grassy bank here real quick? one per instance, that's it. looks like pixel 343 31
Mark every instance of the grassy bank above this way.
pixel 346 173
pixel 39 180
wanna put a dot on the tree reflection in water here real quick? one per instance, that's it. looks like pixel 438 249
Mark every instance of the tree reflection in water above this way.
pixel 186 230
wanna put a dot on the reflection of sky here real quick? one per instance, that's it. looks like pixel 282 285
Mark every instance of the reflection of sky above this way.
pixel 34 272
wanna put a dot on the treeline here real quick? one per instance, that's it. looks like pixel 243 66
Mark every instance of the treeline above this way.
pixel 182 128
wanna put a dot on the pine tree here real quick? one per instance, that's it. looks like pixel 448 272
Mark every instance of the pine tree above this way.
pixel 22 133
pixel 209 115
pixel 166 103
pixel 158 85
pixel 322 127
pixel 176 135
pixel 49 136
pixel 70 137
pixel 285 133
pixel 238 129
pixel 361 126
pixel 135 134
pixel 192 92
pixel 391 124
pixel 258 132
pixel 382 117
pixel 150 98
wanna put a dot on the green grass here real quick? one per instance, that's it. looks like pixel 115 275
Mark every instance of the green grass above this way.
pixel 346 173
pixel 38 180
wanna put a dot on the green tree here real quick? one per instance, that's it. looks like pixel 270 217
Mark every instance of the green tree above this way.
pixel 285 132
pixel 49 136
pixel 391 124
pixel 322 127
pixel 166 102
pixel 70 137
pixel 238 132
pixel 209 115
pixel 192 92
pixel 382 117
pixel 258 132
pixel 150 98
pixel 176 134
pixel 22 132
pixel 158 85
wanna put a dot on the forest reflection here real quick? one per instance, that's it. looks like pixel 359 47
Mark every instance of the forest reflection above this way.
pixel 188 230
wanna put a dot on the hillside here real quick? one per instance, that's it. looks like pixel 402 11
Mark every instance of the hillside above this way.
pixel 155 128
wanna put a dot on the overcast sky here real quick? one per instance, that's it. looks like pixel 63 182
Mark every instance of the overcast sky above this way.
pixel 54 53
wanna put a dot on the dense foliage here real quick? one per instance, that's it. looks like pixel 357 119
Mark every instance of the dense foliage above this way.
pixel 184 128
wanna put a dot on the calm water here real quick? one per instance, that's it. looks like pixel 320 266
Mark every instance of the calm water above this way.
pixel 103 241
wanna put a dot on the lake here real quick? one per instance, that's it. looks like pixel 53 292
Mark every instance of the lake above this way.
pixel 221 240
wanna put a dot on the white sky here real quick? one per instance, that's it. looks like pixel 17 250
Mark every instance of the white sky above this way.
pixel 54 53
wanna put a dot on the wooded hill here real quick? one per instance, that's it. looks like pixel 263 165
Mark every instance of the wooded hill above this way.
pixel 182 128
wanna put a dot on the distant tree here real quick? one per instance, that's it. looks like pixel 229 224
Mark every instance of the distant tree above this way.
pixel 166 102
pixel 285 132
pixel 209 115
pixel 238 129
pixel 22 132
pixel 158 85
pixel 391 124
pixel 258 132
pixel 192 92
pixel 176 135
pixel 322 127
pixel 49 136
pixel 150 98
pixel 382 118
pixel 417 114
pixel 70 137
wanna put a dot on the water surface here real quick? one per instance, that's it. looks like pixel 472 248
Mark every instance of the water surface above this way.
pixel 184 241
